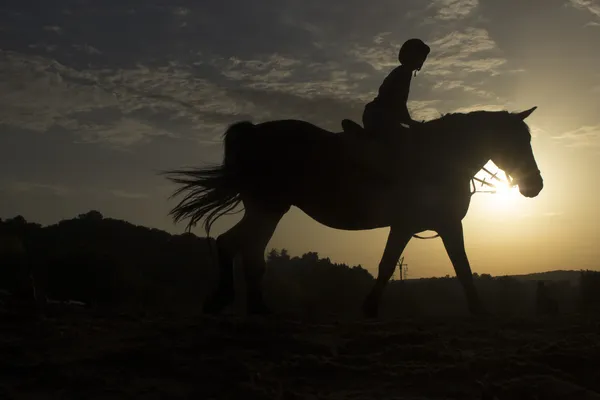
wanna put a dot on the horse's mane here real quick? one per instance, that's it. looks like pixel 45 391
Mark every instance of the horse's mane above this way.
pixel 458 118
pixel 454 123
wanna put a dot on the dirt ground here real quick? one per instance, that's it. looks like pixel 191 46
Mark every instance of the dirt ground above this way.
pixel 78 355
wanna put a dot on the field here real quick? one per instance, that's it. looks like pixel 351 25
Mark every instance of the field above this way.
pixel 77 354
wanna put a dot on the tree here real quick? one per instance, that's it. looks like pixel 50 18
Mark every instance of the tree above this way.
pixel 92 215
pixel 272 256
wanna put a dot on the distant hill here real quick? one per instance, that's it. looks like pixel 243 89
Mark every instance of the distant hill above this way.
pixel 558 275
pixel 554 276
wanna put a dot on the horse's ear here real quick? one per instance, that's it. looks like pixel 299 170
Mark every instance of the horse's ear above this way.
pixel 526 113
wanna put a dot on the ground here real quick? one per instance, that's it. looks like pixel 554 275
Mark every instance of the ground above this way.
pixel 76 355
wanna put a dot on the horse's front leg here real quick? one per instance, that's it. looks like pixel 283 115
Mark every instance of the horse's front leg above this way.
pixel 396 242
pixel 453 238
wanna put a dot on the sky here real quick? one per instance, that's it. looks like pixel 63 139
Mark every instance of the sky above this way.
pixel 97 97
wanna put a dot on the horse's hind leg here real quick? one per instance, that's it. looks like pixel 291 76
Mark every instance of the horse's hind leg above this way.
pixel 248 238
pixel 261 227
pixel 224 295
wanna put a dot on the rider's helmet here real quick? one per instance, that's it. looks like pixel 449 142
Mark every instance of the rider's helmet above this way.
pixel 413 53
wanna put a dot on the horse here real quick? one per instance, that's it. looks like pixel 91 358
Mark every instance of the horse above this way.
pixel 271 166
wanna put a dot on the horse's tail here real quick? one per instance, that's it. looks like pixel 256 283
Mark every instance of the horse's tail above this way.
pixel 211 192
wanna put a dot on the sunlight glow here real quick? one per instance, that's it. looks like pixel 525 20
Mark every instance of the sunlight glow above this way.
pixel 505 197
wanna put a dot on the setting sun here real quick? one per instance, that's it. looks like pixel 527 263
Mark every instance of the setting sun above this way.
pixel 501 195
pixel 505 196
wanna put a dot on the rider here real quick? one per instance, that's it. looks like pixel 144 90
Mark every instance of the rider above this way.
pixel 388 110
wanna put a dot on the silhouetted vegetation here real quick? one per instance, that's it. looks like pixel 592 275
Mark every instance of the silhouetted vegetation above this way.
pixel 112 264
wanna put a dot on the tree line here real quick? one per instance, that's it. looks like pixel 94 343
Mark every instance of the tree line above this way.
pixel 111 264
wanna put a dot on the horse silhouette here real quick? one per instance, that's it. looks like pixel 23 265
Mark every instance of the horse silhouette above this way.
pixel 337 179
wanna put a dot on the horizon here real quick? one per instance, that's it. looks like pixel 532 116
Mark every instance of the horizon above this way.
pixel 96 101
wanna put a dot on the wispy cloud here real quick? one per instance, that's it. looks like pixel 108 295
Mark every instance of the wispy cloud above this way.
pixel 128 195
pixel 86 48
pixel 440 11
pixel 53 28
pixel 39 92
pixel 591 6
pixel 36 187
pixel 120 132
pixel 303 78
pixel 463 52
pixel 20 187
pixel 537 131
pixel 424 110
pixel 458 55
pixel 586 136
pixel 480 107
pixel 551 214
pixel 379 55
pixel 450 10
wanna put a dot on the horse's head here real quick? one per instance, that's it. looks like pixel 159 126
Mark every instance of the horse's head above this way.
pixel 511 151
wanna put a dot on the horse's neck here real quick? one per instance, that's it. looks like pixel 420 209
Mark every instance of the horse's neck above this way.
pixel 459 148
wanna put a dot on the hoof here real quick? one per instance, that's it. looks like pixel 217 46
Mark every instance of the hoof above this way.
pixel 370 309
pixel 479 311
pixel 216 303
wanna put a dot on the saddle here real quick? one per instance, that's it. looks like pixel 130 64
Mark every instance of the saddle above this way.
pixel 361 146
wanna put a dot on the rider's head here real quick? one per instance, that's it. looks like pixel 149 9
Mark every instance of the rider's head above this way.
pixel 413 54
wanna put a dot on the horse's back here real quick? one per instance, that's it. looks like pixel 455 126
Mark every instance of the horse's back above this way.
pixel 295 126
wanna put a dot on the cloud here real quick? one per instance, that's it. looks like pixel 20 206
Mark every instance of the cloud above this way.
pixel 552 214
pixel 480 107
pixel 537 131
pixel 36 95
pixel 591 6
pixel 537 215
pixel 424 110
pixel 63 191
pixel 128 106
pixel 451 10
pixel 441 11
pixel 303 78
pixel 379 56
pixel 36 187
pixel 86 48
pixel 273 68
pixel 39 93
pixel 586 136
pixel 106 91
pixel 181 11
pixel 53 28
pixel 460 52
pixel 457 57
pixel 122 132
pixel 128 195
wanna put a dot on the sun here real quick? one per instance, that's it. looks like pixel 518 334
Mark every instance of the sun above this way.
pixel 505 196
pixel 502 196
